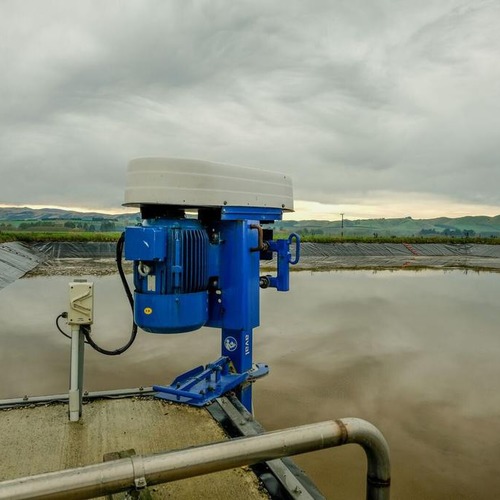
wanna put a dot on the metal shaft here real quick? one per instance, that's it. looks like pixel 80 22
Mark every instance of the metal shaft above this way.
pixel 110 477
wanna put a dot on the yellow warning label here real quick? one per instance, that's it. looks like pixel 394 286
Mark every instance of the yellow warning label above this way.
pixel 148 310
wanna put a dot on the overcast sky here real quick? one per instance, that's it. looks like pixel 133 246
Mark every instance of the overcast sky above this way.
pixel 375 108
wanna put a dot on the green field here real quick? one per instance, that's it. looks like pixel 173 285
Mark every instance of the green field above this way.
pixel 41 236
pixel 22 224
pixel 394 239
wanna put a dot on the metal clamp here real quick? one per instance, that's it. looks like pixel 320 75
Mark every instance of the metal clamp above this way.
pixel 139 472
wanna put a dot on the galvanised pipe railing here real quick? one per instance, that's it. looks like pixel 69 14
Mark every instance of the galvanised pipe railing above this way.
pixel 140 471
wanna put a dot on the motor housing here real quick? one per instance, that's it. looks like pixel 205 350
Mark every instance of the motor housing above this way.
pixel 170 274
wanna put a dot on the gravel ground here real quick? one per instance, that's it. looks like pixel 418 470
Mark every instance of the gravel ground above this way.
pixel 78 267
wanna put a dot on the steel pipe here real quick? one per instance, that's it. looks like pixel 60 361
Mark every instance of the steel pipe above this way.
pixel 61 398
pixel 135 472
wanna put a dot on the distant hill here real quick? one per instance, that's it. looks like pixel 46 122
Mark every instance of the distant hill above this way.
pixel 443 226
pixel 54 214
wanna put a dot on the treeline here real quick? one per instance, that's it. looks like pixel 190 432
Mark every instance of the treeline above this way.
pixel 104 226
pixel 309 232
pixel 454 233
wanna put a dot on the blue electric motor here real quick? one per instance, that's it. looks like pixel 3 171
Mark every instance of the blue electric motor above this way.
pixel 196 260
pixel 170 274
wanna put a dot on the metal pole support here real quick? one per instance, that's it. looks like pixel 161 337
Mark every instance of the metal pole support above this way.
pixel 76 373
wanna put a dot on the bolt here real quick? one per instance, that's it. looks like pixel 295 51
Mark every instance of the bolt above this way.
pixel 263 282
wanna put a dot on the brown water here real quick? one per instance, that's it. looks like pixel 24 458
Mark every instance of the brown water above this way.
pixel 417 354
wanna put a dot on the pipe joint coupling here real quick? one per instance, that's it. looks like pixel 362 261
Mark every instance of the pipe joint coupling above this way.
pixel 139 472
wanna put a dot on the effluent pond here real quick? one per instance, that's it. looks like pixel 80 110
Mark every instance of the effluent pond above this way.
pixel 415 353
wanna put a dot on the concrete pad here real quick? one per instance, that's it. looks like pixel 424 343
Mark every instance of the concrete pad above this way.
pixel 41 439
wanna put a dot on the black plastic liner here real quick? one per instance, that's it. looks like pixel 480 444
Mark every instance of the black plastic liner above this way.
pixel 72 250
pixel 16 259
pixel 324 256
pixel 397 249
pixel 76 249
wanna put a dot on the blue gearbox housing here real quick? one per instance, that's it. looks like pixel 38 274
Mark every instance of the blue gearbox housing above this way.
pixel 170 274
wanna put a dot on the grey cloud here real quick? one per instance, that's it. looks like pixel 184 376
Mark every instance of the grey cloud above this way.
pixel 347 97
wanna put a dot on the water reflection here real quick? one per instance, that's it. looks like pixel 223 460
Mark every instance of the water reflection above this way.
pixel 415 353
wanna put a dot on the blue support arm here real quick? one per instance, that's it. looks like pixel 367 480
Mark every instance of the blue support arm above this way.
pixel 282 247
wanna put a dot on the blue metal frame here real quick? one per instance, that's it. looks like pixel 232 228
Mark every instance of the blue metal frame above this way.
pixel 201 385
pixel 232 296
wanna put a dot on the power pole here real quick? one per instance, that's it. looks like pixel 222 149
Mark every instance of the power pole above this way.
pixel 342 226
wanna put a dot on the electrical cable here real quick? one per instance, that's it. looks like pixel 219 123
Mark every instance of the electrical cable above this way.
pixel 64 315
pixel 133 334
pixel 86 328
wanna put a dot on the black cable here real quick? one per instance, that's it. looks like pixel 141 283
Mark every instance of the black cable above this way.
pixel 119 252
pixel 64 315
pixel 86 330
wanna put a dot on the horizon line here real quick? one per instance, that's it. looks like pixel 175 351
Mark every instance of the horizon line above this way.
pixel 289 215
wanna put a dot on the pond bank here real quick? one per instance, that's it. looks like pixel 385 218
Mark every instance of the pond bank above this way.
pixel 98 258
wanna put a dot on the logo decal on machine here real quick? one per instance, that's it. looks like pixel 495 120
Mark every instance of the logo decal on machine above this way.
pixel 230 344
pixel 148 310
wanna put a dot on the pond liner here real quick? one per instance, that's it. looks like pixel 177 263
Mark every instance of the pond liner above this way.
pixel 16 259
pixel 350 249
pixel 93 249
pixel 76 249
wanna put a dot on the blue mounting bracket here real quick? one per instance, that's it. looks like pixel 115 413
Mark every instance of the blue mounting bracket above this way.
pixel 282 247
pixel 202 385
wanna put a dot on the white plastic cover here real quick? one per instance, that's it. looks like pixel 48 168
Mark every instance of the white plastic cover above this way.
pixel 196 183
